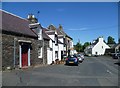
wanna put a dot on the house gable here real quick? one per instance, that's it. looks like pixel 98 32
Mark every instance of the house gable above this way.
pixel 100 47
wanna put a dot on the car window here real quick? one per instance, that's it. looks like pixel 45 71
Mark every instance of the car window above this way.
pixel 72 56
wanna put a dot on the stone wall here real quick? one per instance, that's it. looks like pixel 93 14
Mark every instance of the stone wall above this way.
pixel 8 49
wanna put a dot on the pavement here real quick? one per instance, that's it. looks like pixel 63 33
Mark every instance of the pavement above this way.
pixel 93 71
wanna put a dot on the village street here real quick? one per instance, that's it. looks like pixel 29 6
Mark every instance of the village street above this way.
pixel 94 71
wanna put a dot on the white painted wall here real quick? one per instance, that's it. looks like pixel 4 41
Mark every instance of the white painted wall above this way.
pixel 49 56
pixel 60 46
pixel 61 40
pixel 50 43
pixel 74 52
pixel 64 48
pixel 53 51
pixel 52 37
pixel 56 47
pixel 71 44
pixel 100 47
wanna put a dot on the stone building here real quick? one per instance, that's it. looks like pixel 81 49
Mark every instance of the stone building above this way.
pixel 42 36
pixel 19 43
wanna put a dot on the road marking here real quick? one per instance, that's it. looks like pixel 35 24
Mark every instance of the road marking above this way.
pixel 109 71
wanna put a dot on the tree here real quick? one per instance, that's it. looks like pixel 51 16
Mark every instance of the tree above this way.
pixel 110 40
pixel 119 40
pixel 78 47
pixel 86 44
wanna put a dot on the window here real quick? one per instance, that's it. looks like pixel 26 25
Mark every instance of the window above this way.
pixel 56 40
pixel 102 47
pixel 64 42
pixel 56 54
pixel 40 52
pixel 68 44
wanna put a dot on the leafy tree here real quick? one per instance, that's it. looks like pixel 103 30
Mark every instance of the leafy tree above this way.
pixel 86 44
pixel 78 47
pixel 119 40
pixel 110 40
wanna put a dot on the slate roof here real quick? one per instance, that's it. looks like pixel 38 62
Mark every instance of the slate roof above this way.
pixel 69 37
pixel 49 32
pixel 15 24
pixel 60 36
pixel 36 25
pixel 45 29
pixel 44 35
pixel 116 45
pixel 59 32
pixel 111 45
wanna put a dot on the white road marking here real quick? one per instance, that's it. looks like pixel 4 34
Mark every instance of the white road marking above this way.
pixel 109 71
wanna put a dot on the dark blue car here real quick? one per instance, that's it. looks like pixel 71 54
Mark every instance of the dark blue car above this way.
pixel 72 60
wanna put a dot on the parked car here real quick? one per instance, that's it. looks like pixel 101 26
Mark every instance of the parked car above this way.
pixel 116 55
pixel 72 60
pixel 80 57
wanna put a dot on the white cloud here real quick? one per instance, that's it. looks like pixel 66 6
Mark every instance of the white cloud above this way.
pixel 80 29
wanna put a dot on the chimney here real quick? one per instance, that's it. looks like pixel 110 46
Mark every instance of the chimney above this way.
pixel 32 18
pixel 60 27
pixel 29 16
pixel 100 39
pixel 51 27
pixel 93 41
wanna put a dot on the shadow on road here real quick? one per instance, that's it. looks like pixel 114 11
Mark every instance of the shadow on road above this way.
pixel 117 63
pixel 70 65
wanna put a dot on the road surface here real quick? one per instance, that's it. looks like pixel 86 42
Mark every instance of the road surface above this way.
pixel 94 71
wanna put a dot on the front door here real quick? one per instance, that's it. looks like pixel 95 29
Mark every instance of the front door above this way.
pixel 24 55
pixel 61 55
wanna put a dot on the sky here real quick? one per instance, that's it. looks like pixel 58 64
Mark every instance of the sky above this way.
pixel 84 21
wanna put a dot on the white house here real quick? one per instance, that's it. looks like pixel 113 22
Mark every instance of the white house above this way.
pixel 54 41
pixel 60 49
pixel 60 45
pixel 56 44
pixel 53 44
pixel 97 48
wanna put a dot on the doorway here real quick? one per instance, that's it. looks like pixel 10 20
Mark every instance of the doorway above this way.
pixel 24 53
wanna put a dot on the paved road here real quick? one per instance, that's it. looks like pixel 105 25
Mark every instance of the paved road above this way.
pixel 94 71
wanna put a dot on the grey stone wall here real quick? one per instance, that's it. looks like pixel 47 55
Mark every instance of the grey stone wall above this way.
pixel 8 49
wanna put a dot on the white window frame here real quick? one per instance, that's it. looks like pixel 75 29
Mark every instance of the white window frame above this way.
pixel 40 52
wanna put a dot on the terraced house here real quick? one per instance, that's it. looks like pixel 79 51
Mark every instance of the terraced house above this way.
pixel 59 42
pixel 26 43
